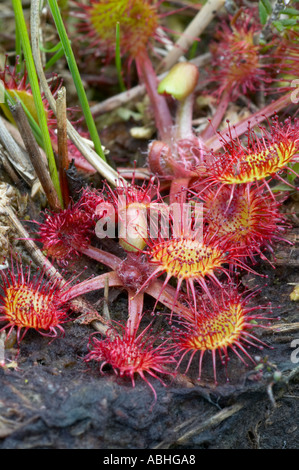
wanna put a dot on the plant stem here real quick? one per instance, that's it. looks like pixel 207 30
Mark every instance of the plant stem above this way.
pixel 9 101
pixel 21 26
pixel 18 52
pixel 35 156
pixel 255 118
pixel 91 156
pixel 161 111
pixel 166 296
pixel 101 256
pixel 63 161
pixel 137 92
pixel 118 59
pixel 33 124
pixel 177 188
pixel 96 283
pixel 183 122
pixel 135 311
pixel 76 77
pixel 217 118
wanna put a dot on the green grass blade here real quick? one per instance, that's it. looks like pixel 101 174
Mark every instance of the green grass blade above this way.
pixel 54 59
pixel 76 77
pixel 21 26
pixel 33 124
pixel 118 59
pixel 18 52
pixel 8 100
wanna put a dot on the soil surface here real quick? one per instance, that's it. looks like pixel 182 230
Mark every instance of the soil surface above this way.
pixel 55 400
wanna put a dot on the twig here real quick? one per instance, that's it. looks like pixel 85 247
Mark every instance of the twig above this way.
pixel 35 156
pixel 106 312
pixel 16 155
pixel 15 134
pixel 199 428
pixel 63 161
pixel 194 30
pixel 283 327
pixel 91 156
pixel 271 394
pixel 8 167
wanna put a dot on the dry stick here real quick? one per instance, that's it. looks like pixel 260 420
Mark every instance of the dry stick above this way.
pixel 18 139
pixel 194 30
pixel 63 161
pixel 199 428
pixel 35 156
pixel 91 156
pixel 106 312
pixel 118 100
pixel 78 305
pixel 283 327
pixel 16 155
pixel 26 169
pixel 8 167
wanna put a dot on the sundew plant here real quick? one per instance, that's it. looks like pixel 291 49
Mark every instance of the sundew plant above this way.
pixel 214 104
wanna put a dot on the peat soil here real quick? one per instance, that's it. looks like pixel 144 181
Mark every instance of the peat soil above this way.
pixel 54 400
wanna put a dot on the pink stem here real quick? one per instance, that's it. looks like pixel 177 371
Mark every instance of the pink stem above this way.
pixel 166 295
pixel 147 73
pixel 217 118
pixel 108 259
pixel 135 311
pixel 96 283
pixel 256 118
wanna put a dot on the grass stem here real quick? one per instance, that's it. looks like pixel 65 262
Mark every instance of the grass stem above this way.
pixel 22 29
pixel 76 77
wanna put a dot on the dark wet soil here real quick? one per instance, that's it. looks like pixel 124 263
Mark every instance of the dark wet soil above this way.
pixel 55 400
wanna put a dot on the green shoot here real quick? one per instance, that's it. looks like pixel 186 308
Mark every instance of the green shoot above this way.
pixel 24 38
pixel 289 20
pixel 54 59
pixel 76 77
pixel 18 52
pixel 118 59
pixel 59 52
pixel 9 101
pixel 265 9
